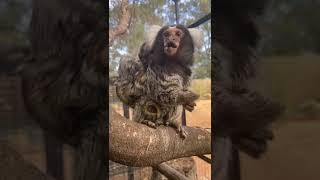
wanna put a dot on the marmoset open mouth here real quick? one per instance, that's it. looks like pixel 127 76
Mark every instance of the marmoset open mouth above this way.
pixel 170 48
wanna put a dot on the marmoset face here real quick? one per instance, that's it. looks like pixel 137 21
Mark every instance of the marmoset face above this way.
pixel 171 40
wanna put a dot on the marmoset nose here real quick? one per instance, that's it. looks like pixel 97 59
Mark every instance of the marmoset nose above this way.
pixel 172 38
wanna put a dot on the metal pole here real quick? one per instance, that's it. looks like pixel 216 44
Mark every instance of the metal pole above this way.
pixel 126 113
pixel 176 9
pixel 54 156
pixel 200 21
pixel 184 119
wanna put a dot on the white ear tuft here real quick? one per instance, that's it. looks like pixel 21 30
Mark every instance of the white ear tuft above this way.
pixel 197 37
pixel 151 35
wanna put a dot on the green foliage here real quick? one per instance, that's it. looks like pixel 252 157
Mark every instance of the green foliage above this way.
pixel 292 28
pixel 14 17
pixel 202 68
pixel 202 87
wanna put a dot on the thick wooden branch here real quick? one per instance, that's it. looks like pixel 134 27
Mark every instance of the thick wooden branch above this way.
pixel 14 167
pixel 123 24
pixel 135 144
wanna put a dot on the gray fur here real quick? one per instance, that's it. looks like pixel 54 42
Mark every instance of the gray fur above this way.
pixel 156 86
pixel 167 92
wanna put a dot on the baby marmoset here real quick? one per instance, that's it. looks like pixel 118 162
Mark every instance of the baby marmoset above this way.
pixel 156 84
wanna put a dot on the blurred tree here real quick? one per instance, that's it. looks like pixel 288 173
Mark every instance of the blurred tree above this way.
pixel 292 28
pixel 14 21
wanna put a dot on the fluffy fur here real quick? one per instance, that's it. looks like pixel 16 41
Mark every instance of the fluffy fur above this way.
pixel 151 35
pixel 197 37
pixel 156 85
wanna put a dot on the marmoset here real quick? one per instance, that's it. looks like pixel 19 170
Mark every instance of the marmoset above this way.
pixel 156 84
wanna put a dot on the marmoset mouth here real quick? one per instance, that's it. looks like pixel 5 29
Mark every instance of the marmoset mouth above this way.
pixel 170 48
pixel 171 44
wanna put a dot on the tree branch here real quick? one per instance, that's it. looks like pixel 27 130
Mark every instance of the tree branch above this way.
pixel 123 24
pixel 170 172
pixel 135 144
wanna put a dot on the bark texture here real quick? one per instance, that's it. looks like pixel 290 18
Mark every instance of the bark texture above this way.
pixel 135 144
pixel 123 23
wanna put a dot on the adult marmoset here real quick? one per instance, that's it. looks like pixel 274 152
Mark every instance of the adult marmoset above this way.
pixel 156 84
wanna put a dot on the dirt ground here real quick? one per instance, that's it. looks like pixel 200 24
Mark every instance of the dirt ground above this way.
pixel 201 117
pixel 293 155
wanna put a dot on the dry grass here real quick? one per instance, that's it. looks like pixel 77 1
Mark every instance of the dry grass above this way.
pixel 202 87
pixel 291 80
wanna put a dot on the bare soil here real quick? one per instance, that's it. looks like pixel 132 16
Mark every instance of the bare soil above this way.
pixel 201 117
pixel 293 155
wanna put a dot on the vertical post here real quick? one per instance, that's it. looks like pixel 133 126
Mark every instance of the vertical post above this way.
pixel 235 169
pixel 126 113
pixel 176 10
pixel 54 156
pixel 184 119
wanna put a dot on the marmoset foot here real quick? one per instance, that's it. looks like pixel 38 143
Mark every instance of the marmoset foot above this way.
pixel 183 133
pixel 149 123
pixel 158 123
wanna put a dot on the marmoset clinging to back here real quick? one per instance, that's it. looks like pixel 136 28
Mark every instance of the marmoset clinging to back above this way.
pixel 156 84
